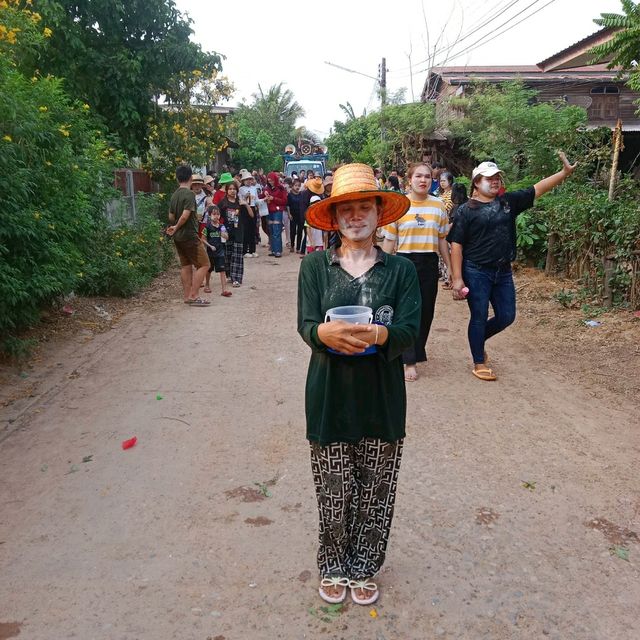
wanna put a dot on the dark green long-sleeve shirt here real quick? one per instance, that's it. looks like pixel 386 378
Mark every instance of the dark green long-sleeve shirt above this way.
pixel 348 398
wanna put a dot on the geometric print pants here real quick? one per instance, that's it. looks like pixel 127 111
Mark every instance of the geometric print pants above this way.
pixel 356 490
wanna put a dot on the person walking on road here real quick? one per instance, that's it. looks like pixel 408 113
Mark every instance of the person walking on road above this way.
pixel 420 235
pixel 483 245
pixel 276 197
pixel 355 392
pixel 184 231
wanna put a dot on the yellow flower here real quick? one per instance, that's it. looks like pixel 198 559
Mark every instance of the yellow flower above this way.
pixel 64 131
pixel 36 215
pixel 373 613
pixel 118 254
pixel 43 109
pixel 197 73
pixel 35 17
pixel 86 107
pixel 52 226
pixel 80 274
pixel 7 138
pixel 130 263
pixel 48 163
pixel 47 33
pixel 76 167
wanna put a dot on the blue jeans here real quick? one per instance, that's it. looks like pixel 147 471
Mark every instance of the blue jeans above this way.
pixel 275 232
pixel 488 285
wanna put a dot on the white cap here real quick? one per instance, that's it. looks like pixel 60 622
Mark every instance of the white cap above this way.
pixel 486 169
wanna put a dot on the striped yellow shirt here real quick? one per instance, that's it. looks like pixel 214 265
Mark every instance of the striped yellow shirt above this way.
pixel 420 228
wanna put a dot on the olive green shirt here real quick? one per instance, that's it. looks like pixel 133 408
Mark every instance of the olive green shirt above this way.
pixel 182 199
pixel 348 398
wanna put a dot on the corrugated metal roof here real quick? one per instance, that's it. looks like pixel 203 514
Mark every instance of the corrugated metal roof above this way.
pixel 581 44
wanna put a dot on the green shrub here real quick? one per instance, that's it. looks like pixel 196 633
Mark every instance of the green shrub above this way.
pixel 126 258
pixel 56 177
pixel 56 172
pixel 590 229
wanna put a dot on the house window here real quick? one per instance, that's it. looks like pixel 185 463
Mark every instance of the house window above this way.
pixel 604 102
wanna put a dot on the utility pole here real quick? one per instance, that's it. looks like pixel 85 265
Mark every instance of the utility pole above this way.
pixel 382 69
pixel 383 83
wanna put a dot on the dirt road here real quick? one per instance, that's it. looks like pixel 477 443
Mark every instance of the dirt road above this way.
pixel 517 516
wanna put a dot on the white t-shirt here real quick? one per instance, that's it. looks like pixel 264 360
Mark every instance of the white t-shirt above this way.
pixel 263 207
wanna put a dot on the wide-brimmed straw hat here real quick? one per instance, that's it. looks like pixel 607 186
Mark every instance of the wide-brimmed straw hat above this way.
pixel 196 178
pixel 208 179
pixel 245 175
pixel 315 185
pixel 355 182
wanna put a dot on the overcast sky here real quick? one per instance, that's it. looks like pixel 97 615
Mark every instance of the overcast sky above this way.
pixel 289 42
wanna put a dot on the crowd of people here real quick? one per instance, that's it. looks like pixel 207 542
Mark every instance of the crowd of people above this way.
pixel 378 244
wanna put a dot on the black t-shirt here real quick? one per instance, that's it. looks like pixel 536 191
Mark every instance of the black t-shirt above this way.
pixel 213 235
pixel 294 200
pixel 487 230
pixel 235 219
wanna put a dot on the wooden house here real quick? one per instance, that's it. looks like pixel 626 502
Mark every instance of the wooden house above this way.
pixel 566 76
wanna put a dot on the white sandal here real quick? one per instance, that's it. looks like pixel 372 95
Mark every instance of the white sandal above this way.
pixel 333 582
pixel 364 584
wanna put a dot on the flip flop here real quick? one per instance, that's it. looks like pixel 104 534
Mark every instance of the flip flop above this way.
pixel 226 294
pixel 334 582
pixel 207 290
pixel 364 584
pixel 199 302
pixel 484 373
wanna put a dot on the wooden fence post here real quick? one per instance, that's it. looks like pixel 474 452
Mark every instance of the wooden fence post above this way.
pixel 552 260
pixel 617 143
pixel 609 263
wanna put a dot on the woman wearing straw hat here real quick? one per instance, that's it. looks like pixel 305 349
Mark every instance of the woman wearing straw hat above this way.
pixel 355 393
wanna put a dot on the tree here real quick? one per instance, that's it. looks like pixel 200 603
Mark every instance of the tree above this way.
pixel 389 138
pixel 121 57
pixel 353 140
pixel 188 130
pixel 623 49
pixel 505 123
pixel 263 128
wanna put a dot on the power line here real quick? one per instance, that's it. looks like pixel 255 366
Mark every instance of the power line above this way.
pixel 331 64
pixel 473 29
pixel 471 47
pixel 482 41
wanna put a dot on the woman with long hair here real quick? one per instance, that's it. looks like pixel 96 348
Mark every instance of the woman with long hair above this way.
pixel 420 235
pixel 237 216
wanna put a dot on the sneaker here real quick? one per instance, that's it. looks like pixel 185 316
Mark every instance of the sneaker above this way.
pixel 248 255
pixel 255 255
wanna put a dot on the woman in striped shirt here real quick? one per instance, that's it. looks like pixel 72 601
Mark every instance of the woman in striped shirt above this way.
pixel 420 235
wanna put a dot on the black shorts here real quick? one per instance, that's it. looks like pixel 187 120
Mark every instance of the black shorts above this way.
pixel 217 262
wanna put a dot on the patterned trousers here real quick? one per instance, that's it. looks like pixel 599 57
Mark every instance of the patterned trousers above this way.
pixel 234 261
pixel 356 490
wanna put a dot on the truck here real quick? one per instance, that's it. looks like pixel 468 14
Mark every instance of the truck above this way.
pixel 304 156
